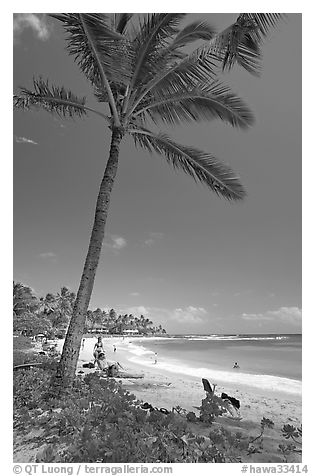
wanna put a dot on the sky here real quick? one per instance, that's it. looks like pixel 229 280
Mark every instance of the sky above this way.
pixel 173 250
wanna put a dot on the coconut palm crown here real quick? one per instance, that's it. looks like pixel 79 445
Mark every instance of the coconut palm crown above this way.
pixel 143 76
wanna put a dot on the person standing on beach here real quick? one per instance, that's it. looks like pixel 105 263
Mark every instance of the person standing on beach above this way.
pixel 82 345
pixel 98 348
pixel 155 357
pixel 114 348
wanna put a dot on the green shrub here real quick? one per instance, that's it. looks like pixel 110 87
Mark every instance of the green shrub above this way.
pixel 22 343
pixel 29 387
pixel 290 432
pixel 21 350
pixel 20 357
pixel 211 408
pixel 98 421
pixel 191 416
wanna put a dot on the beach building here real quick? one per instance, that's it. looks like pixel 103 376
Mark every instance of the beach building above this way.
pixel 99 328
pixel 130 332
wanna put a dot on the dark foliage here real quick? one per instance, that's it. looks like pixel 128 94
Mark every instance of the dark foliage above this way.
pixel 98 421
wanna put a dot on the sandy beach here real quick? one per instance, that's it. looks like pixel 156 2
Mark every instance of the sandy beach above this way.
pixel 187 391
pixel 166 389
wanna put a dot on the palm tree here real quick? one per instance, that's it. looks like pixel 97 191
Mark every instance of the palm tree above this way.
pixel 97 316
pixel 24 300
pixel 142 75
pixel 58 307
pixel 89 321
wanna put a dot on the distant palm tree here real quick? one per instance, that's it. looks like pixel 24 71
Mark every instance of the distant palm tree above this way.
pixel 89 321
pixel 58 307
pixel 142 75
pixel 24 300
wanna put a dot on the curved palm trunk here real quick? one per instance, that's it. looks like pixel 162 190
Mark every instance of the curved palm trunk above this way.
pixel 68 362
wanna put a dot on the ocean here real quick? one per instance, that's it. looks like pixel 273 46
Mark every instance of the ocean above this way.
pixel 269 362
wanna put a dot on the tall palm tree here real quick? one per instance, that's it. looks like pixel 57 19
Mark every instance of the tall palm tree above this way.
pixel 142 75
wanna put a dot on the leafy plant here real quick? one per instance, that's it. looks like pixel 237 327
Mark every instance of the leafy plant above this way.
pixel 98 421
pixel 191 417
pixel 290 431
pixel 293 433
pixel 178 409
pixel 264 423
pixel 211 407
pixel 286 450
pixel 230 444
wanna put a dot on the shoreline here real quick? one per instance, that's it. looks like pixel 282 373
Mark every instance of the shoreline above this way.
pixel 141 352
pixel 164 388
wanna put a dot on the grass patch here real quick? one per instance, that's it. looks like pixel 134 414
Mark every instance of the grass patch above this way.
pixel 22 350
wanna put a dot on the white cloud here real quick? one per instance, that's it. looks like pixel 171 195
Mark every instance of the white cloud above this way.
pixel 115 242
pixel 289 315
pixel 118 242
pixel 37 22
pixel 136 310
pixel 153 237
pixel 149 242
pixel 256 317
pixel 24 140
pixel 189 314
pixel 135 294
pixel 292 315
pixel 48 254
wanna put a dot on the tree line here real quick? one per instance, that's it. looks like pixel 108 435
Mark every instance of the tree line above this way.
pixel 51 315
pixel 117 324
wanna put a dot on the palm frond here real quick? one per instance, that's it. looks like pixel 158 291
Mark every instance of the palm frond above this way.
pixel 97 47
pixel 241 42
pixel 212 101
pixel 53 99
pixel 154 34
pixel 200 165
pixel 118 91
pixel 195 31
pixel 186 74
pixel 121 20
pixel 156 30
pixel 101 94
pixel 264 21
